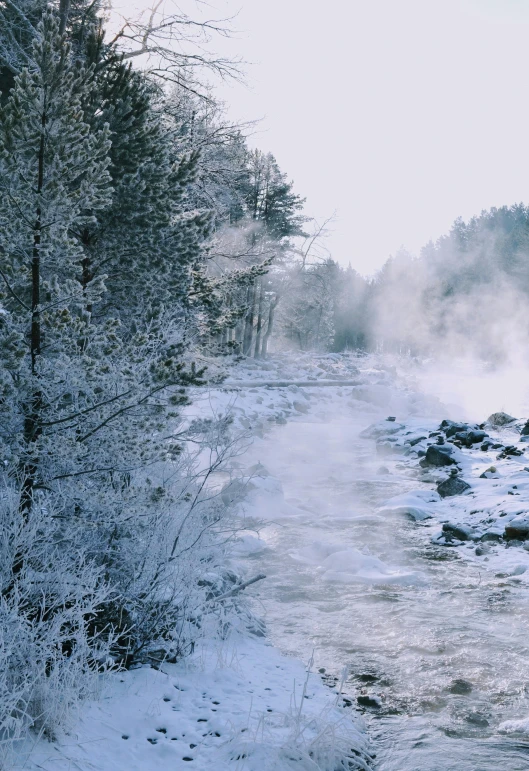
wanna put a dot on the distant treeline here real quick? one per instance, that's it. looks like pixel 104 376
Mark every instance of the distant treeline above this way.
pixel 467 293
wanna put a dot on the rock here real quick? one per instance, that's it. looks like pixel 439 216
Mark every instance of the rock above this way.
pixel 451 428
pixel 369 701
pixel 383 470
pixel 500 419
pixel 438 455
pixel 461 532
pixel 300 407
pixel 460 687
pixel 471 437
pixel 391 419
pixel 509 451
pixel 415 440
pixel 482 550
pixel 525 429
pixel 490 444
pixel 376 430
pixel 477 719
pixel 518 528
pixel 452 486
pixel 491 535
pixel 476 436
pixel 490 473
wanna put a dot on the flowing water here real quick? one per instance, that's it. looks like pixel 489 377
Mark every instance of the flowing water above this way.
pixel 447 656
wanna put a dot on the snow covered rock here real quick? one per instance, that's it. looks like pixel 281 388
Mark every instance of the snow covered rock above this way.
pixel 461 532
pixel 451 427
pixel 418 505
pixel 452 486
pixel 382 428
pixel 490 473
pixel 500 419
pixel 438 455
pixel 518 528
pixel 525 429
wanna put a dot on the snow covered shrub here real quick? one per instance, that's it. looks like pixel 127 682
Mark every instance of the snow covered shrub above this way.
pixel 50 590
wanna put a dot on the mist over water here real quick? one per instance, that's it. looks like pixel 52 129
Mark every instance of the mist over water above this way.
pixel 473 389
pixel 406 642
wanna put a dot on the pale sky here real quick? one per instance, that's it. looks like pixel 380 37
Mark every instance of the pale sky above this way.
pixel 400 115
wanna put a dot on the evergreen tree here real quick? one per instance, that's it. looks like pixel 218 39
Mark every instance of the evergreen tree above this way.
pixel 53 179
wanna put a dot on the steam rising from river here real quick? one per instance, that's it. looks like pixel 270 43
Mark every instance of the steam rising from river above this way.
pixel 466 312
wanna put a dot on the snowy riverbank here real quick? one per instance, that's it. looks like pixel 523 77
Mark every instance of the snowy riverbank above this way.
pixel 348 526
pixel 235 703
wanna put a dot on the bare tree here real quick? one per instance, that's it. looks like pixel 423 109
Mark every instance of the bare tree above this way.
pixel 176 48
pixel 167 43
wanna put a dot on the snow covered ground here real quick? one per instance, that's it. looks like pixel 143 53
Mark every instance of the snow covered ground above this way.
pixel 336 512
pixel 234 704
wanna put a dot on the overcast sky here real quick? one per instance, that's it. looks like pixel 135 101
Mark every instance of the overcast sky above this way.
pixel 400 115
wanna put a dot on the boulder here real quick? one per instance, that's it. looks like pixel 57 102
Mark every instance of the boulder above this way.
pixel 452 486
pixel 471 437
pixel 490 535
pixel 451 428
pixel 461 532
pixel 518 528
pixel 500 419
pixel 476 436
pixel 438 455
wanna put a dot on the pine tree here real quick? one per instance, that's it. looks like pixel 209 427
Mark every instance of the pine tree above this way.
pixel 53 179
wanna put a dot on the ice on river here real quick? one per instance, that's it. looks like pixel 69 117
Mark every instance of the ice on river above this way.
pixel 334 563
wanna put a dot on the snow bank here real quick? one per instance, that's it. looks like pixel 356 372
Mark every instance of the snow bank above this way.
pixel 236 705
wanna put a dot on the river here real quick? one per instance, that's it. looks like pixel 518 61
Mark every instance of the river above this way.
pixel 446 654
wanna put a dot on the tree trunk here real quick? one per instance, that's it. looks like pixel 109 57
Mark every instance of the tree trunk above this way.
pixel 64 12
pixel 249 320
pixel 258 331
pixel 266 338
pixel 32 418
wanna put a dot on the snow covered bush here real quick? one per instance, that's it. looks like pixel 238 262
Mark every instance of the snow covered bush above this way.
pixel 50 590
